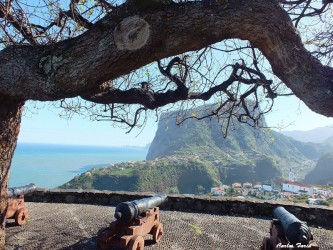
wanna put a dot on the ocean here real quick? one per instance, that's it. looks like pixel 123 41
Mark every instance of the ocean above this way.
pixel 50 165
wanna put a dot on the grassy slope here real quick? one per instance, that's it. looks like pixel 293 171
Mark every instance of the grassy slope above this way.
pixel 172 175
pixel 322 174
pixel 194 157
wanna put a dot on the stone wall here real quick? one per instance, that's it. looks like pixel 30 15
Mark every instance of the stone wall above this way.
pixel 313 215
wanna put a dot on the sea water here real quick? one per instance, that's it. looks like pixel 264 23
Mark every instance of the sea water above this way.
pixel 50 165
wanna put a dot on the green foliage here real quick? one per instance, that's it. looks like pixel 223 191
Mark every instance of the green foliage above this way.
pixel 170 175
pixel 194 157
pixel 231 192
pixel 243 146
pixel 267 169
pixel 325 203
pixel 196 228
pixel 322 174
pixel 302 198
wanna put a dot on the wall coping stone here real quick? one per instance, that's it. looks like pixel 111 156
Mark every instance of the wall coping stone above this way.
pixel 313 215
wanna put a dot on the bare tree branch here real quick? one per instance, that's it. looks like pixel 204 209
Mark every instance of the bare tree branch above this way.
pixel 17 23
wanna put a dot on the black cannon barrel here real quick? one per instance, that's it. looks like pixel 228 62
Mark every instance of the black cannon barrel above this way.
pixel 296 231
pixel 16 191
pixel 129 210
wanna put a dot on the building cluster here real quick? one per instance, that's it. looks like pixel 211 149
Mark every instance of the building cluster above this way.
pixel 241 188
pixel 316 195
pixel 288 189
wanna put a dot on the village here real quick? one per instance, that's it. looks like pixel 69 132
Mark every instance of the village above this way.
pixel 289 190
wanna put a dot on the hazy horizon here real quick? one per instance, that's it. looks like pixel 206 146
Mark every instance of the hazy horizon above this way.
pixel 45 126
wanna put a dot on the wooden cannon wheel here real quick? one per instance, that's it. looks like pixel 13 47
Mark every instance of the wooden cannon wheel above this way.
pixel 136 243
pixel 21 216
pixel 157 232
pixel 266 244
pixel 104 237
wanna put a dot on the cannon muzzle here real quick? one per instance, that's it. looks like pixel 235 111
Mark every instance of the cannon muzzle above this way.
pixel 17 191
pixel 127 211
pixel 295 230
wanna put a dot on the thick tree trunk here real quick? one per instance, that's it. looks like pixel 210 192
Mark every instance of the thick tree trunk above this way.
pixel 77 67
pixel 10 119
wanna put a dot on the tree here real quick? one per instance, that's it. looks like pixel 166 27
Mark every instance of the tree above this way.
pixel 91 55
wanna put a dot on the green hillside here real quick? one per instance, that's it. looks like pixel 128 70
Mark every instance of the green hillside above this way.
pixel 243 145
pixel 194 157
pixel 322 174
pixel 170 175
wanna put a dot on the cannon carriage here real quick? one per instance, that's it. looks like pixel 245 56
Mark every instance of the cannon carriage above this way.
pixel 134 220
pixel 16 208
pixel 288 232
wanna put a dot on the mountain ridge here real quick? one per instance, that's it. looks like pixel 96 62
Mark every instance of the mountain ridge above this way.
pixel 243 143
pixel 317 135
pixel 195 156
pixel 322 174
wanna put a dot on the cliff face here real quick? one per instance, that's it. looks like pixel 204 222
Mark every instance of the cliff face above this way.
pixel 239 152
pixel 322 174
pixel 194 157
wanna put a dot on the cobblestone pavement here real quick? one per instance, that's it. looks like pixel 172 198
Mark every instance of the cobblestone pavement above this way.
pixel 71 226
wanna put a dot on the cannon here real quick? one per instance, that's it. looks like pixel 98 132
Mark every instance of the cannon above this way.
pixel 287 231
pixel 134 219
pixel 16 208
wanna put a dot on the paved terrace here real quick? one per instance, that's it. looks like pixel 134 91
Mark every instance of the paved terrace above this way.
pixel 74 226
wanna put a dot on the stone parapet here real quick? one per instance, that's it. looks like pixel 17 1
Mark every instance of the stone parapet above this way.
pixel 313 215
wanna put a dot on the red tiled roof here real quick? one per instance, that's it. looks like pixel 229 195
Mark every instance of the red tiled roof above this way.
pixel 295 183
pixel 247 184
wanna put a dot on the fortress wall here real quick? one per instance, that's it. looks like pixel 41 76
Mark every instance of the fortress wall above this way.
pixel 313 215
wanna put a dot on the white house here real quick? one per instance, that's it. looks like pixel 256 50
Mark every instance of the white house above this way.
pixel 258 187
pixel 297 187
pixel 267 188
pixel 247 185
pixel 236 185
pixel 216 191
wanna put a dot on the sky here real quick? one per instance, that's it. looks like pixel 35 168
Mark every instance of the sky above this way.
pixel 289 113
pixel 46 127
